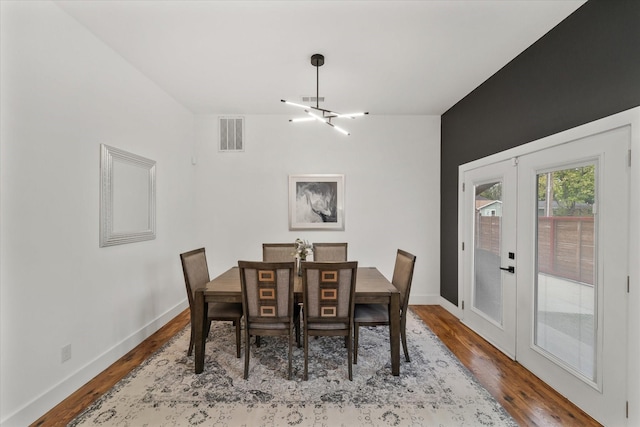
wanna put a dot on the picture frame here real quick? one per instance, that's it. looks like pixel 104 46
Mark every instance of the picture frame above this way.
pixel 127 197
pixel 316 202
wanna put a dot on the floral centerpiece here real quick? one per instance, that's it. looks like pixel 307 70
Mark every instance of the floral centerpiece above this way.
pixel 302 249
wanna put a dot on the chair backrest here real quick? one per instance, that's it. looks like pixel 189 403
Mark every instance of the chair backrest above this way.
pixel 267 292
pixel 328 290
pixel 323 252
pixel 403 276
pixel 278 252
pixel 196 272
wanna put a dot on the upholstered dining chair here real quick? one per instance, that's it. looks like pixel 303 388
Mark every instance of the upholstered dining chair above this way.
pixel 267 302
pixel 328 290
pixel 196 275
pixel 377 314
pixel 323 252
pixel 278 252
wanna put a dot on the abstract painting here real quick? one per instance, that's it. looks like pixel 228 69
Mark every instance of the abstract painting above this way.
pixel 316 202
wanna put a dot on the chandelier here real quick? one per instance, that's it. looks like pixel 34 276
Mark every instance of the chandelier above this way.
pixel 321 114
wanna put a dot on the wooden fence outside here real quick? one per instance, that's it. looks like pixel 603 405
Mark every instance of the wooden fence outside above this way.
pixel 565 245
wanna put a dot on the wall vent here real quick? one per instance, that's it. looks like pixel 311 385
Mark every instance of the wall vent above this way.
pixel 312 99
pixel 231 134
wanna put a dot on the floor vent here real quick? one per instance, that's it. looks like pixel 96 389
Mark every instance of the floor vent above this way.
pixel 231 133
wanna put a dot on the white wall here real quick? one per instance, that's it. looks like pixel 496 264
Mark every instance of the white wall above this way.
pixel 392 190
pixel 63 94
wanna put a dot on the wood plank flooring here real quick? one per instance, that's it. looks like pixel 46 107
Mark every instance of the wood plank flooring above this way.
pixel 529 401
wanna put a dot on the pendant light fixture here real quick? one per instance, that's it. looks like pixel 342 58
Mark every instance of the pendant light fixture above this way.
pixel 321 114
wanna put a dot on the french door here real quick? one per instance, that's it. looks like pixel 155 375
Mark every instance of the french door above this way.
pixel 572 270
pixel 490 294
pixel 545 265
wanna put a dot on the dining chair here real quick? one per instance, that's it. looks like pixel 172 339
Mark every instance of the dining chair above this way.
pixel 267 302
pixel 323 252
pixel 278 252
pixel 329 252
pixel 328 290
pixel 196 275
pixel 378 314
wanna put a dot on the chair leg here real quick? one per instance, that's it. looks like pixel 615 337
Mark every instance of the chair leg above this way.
pixel 247 348
pixel 238 338
pixel 191 340
pixel 257 341
pixel 297 320
pixel 403 335
pixel 348 337
pixel 404 345
pixel 306 356
pixel 356 332
pixel 290 352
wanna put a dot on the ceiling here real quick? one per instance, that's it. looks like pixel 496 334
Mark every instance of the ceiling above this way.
pixel 386 57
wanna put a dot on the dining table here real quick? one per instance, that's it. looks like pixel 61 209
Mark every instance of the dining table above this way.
pixel 371 288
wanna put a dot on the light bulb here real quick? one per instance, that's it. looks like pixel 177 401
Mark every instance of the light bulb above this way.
pixel 351 115
pixel 294 104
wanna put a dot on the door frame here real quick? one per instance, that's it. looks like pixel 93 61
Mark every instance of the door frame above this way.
pixel 629 118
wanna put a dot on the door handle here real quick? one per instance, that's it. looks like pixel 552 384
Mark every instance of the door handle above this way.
pixel 510 269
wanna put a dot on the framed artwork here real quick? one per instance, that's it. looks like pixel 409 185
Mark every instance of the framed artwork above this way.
pixel 316 202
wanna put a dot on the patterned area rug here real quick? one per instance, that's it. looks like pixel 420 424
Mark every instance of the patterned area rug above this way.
pixel 434 389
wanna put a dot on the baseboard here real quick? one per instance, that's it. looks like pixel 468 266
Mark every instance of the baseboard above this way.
pixel 50 398
pixel 424 299
pixel 451 308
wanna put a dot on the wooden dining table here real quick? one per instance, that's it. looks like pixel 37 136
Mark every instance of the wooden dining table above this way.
pixel 371 287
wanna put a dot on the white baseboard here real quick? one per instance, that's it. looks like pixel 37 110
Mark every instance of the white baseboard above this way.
pixel 424 299
pixel 50 398
pixel 451 308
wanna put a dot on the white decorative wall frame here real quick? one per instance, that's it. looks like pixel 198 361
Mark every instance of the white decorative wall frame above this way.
pixel 127 197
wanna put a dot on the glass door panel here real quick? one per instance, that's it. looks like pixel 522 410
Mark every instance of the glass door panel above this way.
pixel 487 295
pixel 565 274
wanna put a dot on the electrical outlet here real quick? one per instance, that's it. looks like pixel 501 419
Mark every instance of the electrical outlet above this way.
pixel 65 353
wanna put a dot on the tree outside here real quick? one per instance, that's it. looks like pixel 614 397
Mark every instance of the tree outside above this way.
pixel 568 192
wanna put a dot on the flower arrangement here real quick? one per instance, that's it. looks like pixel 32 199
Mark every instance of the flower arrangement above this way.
pixel 302 249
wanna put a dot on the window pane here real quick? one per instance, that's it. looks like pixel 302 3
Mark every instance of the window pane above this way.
pixel 566 260
pixel 487 291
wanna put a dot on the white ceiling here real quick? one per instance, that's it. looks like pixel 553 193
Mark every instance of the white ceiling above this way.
pixel 386 57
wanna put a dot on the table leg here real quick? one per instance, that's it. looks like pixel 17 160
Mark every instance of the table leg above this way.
pixel 199 316
pixel 394 332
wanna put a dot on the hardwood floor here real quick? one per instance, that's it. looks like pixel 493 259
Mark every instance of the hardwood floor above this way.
pixel 529 401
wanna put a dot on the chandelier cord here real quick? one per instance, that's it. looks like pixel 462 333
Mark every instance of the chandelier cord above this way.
pixel 318 87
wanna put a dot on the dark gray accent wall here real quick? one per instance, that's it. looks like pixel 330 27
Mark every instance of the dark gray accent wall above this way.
pixel 586 68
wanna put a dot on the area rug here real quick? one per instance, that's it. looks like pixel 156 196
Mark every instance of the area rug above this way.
pixel 434 389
